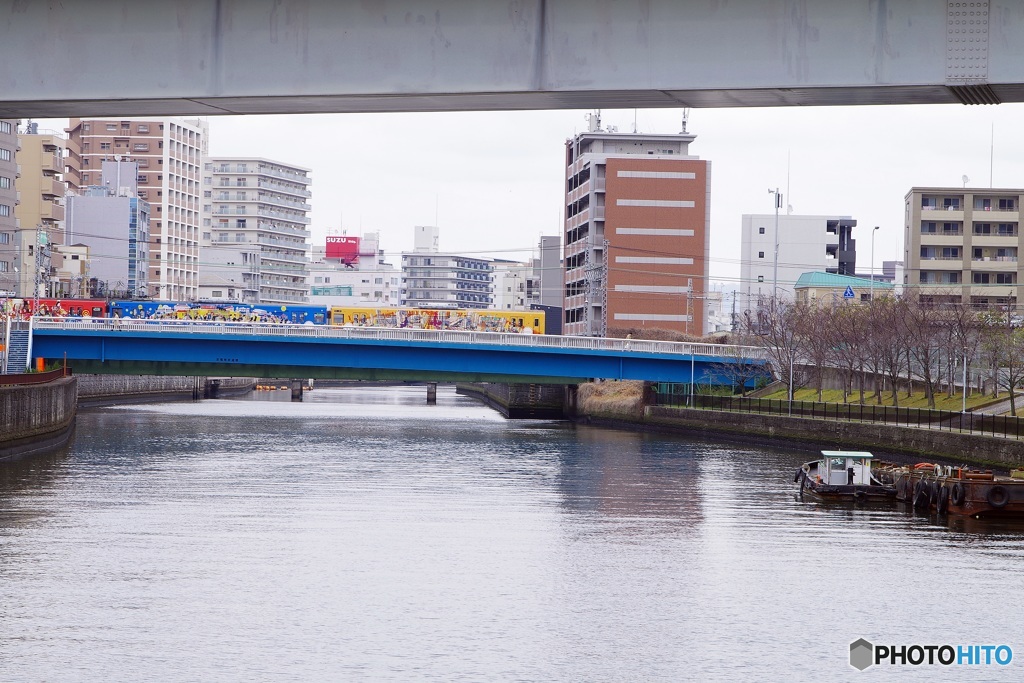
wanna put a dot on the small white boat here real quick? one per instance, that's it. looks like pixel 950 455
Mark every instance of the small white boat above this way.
pixel 844 476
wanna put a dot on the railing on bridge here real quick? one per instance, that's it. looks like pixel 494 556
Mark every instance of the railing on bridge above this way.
pixel 744 354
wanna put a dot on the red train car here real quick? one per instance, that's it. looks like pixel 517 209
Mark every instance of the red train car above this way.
pixel 58 308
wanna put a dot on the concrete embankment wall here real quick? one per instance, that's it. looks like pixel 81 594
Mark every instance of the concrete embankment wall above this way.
pixel 36 418
pixel 808 433
pixel 96 390
pixel 516 401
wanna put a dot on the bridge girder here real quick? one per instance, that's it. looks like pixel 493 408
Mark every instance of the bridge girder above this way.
pixel 209 57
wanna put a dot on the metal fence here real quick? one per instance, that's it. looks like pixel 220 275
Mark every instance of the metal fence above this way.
pixel 678 395
pixel 730 353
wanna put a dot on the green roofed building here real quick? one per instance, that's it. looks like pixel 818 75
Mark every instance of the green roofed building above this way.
pixel 830 288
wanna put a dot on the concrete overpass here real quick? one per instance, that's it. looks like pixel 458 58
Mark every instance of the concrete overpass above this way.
pixel 208 57
pixel 151 347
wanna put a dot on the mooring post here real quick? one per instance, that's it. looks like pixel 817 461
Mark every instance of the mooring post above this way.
pixel 432 393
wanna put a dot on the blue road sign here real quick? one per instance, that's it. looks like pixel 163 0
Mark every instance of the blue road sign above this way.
pixel 848 294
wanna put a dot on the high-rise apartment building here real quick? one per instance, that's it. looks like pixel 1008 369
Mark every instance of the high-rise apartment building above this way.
pixel 255 239
pixel 8 202
pixel 40 211
pixel 112 222
pixel 962 245
pixel 431 278
pixel 169 153
pixel 636 232
pixel 806 244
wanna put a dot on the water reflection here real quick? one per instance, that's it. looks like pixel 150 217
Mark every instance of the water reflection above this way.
pixel 630 474
pixel 364 534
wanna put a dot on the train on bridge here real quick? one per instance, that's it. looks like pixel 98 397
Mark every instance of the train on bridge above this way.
pixel 430 318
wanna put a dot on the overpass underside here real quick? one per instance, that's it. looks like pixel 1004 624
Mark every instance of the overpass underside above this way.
pixel 285 371
pixel 209 57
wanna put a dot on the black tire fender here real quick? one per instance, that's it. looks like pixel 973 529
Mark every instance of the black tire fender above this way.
pixel 958 495
pixel 942 504
pixel 998 496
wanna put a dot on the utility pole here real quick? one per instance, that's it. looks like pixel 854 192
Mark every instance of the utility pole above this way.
pixel 38 264
pixel 775 263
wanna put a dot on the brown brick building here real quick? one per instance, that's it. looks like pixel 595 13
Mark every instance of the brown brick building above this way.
pixel 636 233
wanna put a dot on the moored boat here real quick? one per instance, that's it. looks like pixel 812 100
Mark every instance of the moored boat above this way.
pixel 961 491
pixel 845 476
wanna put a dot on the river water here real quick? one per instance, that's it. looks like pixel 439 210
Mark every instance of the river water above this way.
pixel 364 535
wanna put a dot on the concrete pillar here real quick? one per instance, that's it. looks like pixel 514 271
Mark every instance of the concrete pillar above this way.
pixel 296 389
pixel 569 401
pixel 432 393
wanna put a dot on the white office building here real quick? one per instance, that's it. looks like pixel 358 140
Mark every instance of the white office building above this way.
pixel 805 243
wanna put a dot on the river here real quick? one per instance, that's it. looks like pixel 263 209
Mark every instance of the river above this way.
pixel 364 535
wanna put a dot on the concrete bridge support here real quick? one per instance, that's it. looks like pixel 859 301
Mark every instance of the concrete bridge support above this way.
pixel 432 394
pixel 297 385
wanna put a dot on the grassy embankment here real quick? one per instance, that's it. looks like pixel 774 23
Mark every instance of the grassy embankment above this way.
pixel 625 398
pixel 915 400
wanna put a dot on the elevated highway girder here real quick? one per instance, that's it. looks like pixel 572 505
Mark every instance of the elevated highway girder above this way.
pixel 207 57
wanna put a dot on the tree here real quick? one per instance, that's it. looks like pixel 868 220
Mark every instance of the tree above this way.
pixel 775 327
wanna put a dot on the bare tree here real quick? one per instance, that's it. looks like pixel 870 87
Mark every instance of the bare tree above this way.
pixel 775 327
pixel 922 325
pixel 888 343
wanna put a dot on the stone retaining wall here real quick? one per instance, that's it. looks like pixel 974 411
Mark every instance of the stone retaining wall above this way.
pixel 36 417
pixel 821 434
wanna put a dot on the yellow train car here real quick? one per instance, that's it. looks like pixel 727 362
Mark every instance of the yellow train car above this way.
pixel 468 319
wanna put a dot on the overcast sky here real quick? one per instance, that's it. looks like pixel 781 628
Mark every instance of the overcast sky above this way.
pixel 492 181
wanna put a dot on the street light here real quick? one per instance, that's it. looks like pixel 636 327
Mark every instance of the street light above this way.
pixel 872 293
pixel 775 261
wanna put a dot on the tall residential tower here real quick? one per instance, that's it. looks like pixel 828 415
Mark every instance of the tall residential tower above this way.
pixel 636 233
pixel 255 231
pixel 169 153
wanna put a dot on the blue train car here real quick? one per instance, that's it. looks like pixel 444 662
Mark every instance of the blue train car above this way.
pixel 220 310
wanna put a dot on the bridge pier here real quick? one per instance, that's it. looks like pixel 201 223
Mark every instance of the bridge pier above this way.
pixel 211 388
pixel 296 389
pixel 569 400
pixel 432 393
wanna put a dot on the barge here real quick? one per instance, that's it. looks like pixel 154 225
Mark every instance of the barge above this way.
pixel 948 490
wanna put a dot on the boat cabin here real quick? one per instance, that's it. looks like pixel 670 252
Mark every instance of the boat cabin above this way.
pixel 842 468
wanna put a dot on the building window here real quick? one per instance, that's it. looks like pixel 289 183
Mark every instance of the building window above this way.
pixel 760 278
pixel 5 154
pixel 760 254
pixel 5 126
pixel 5 183
pixel 5 210
pixel 760 231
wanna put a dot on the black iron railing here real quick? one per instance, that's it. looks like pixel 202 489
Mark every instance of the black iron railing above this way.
pixel 677 395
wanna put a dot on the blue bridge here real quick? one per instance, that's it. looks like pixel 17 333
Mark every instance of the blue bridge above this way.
pixel 164 347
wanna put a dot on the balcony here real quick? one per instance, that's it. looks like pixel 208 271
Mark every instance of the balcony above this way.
pixel 282 201
pixel 281 215
pixel 993 263
pixel 284 230
pixel 284 189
